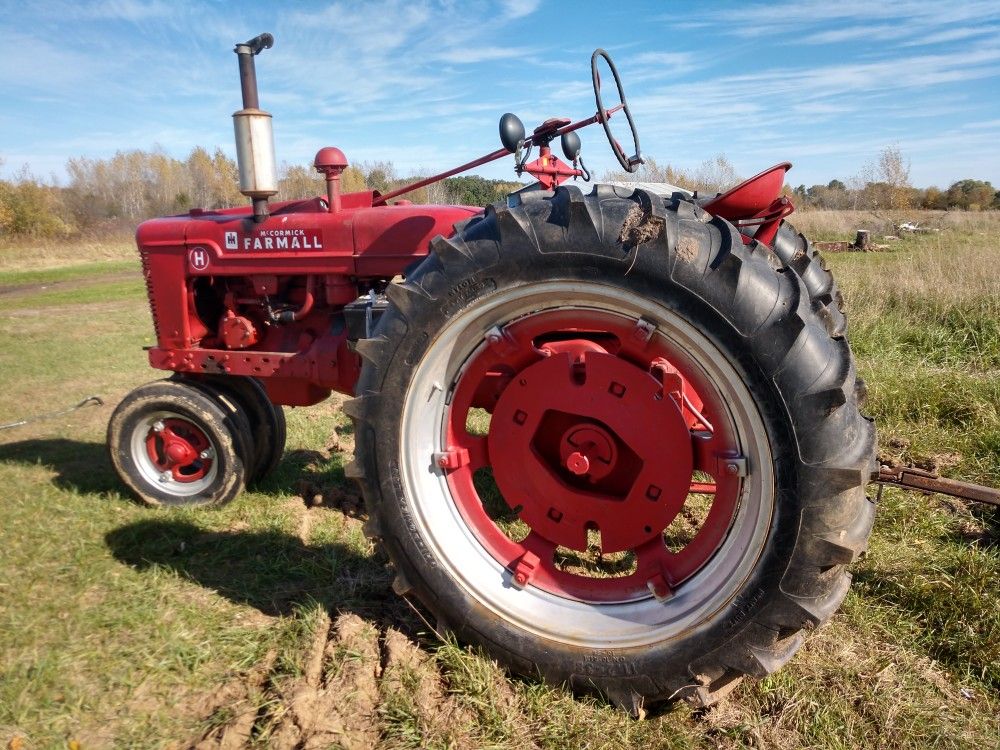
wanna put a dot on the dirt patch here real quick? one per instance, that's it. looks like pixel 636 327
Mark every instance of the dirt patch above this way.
pixel 832 247
pixel 14 291
pixel 411 682
pixel 336 497
pixel 356 682
pixel 639 227
pixel 333 703
pixel 235 703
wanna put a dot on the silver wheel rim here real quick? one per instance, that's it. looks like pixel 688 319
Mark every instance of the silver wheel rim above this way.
pixel 455 548
pixel 152 474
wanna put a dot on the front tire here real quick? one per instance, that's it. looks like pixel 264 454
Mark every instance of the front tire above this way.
pixel 173 444
pixel 265 421
pixel 723 382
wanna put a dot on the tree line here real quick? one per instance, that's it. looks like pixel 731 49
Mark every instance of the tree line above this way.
pixel 882 183
pixel 118 192
pixel 131 186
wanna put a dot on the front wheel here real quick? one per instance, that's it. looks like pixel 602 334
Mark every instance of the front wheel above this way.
pixel 605 441
pixel 174 444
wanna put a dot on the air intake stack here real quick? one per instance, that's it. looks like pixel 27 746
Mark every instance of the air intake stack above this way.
pixel 254 137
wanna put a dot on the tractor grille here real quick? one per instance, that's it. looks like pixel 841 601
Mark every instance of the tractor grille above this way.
pixel 148 278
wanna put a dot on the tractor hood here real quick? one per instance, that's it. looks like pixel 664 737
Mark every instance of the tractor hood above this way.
pixel 361 239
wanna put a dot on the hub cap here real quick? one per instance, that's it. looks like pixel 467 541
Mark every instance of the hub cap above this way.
pixel 173 453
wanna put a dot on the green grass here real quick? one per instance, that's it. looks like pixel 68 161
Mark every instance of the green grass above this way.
pixel 122 626
pixel 85 269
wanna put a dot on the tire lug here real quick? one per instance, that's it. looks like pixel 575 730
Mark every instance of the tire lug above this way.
pixel 207 454
pixel 158 426
pixel 165 477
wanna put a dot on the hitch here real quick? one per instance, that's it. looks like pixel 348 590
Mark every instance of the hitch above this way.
pixel 911 478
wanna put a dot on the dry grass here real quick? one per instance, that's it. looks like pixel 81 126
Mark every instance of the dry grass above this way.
pixel 842 225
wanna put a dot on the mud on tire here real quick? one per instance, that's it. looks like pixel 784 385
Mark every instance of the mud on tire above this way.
pixel 774 379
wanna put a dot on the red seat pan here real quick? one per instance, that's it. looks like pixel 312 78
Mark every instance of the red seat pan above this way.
pixel 751 196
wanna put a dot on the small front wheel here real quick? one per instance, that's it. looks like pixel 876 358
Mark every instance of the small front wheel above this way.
pixel 265 420
pixel 172 444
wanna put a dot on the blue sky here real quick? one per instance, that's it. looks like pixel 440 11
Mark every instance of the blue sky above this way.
pixel 825 85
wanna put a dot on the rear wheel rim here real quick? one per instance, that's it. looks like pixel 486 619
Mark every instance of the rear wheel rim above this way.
pixel 173 454
pixel 518 578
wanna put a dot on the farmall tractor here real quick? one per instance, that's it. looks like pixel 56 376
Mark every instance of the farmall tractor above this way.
pixel 612 438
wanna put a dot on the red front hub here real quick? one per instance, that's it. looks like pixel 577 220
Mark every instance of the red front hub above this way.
pixel 180 448
pixel 598 427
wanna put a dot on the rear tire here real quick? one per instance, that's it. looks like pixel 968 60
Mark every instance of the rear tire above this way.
pixel 798 253
pixel 172 444
pixel 779 388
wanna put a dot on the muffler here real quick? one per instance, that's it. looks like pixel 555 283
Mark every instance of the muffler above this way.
pixel 254 136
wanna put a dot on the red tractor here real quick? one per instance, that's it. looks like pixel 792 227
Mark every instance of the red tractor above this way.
pixel 613 438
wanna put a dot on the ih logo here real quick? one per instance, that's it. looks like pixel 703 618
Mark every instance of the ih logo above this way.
pixel 231 242
pixel 198 258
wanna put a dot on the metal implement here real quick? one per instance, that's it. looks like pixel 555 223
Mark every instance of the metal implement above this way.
pixel 89 401
pixel 911 478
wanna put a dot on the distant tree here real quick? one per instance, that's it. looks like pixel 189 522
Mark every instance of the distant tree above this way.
pixel 972 195
pixel 378 175
pixel 712 176
pixel 836 185
pixel 300 182
pixel 934 198
pixel 473 190
pixel 893 171
pixel 29 207
pixel 716 175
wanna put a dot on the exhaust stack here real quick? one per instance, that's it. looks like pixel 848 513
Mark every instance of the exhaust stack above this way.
pixel 254 137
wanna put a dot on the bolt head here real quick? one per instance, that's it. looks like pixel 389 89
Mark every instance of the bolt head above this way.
pixel 165 476
pixel 732 469
pixel 578 463
pixel 158 426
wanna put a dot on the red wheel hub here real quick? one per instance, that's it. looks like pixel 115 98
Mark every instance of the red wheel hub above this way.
pixel 597 424
pixel 588 450
pixel 177 446
pixel 620 430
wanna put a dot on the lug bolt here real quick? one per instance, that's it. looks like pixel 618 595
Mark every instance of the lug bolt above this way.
pixel 158 426
pixel 732 469
pixel 165 476
pixel 207 453
pixel 521 579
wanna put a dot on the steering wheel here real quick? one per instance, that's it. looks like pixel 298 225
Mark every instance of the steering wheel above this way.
pixel 629 163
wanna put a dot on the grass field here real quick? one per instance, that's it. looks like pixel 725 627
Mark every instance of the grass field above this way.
pixel 272 619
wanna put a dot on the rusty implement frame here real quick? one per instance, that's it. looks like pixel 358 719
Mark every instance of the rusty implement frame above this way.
pixel 911 478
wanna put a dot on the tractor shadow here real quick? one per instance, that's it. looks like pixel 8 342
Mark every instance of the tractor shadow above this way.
pixel 315 476
pixel 272 571
pixel 78 466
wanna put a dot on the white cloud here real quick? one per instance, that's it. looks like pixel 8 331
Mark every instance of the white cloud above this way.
pixel 519 8
pixel 476 54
